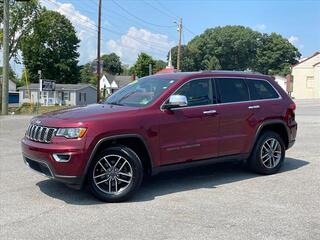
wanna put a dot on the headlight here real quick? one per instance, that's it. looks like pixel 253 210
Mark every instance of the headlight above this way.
pixel 71 132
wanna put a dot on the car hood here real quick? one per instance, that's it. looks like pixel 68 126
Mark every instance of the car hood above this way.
pixel 82 114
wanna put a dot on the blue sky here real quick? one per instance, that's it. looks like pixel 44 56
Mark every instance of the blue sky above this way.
pixel 132 26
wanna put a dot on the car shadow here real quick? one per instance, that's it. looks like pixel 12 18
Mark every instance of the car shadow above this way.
pixel 210 176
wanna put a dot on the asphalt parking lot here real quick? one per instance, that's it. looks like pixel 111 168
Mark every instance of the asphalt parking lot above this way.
pixel 222 201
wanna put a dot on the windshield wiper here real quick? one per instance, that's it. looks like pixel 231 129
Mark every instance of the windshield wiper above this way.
pixel 115 103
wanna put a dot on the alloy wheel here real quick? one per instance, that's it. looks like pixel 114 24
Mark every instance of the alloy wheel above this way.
pixel 271 153
pixel 112 174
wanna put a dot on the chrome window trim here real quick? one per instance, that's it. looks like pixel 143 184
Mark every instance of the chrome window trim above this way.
pixel 219 104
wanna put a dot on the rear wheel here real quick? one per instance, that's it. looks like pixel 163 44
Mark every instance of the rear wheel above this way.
pixel 115 174
pixel 268 154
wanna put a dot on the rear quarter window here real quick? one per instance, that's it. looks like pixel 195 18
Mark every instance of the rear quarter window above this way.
pixel 232 90
pixel 260 89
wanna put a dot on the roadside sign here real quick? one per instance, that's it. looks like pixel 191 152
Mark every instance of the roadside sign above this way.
pixel 47 85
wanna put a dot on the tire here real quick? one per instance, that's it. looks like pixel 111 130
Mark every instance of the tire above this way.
pixel 115 174
pixel 265 160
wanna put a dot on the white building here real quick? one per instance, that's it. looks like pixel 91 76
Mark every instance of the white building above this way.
pixel 306 78
pixel 282 81
pixel 64 94
pixel 113 82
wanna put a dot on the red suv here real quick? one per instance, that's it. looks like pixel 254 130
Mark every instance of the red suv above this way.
pixel 164 122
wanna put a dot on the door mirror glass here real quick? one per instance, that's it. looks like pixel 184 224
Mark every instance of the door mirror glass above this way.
pixel 176 101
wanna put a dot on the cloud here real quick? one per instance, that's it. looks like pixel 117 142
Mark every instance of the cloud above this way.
pixel 260 27
pixel 295 41
pixel 84 26
pixel 135 41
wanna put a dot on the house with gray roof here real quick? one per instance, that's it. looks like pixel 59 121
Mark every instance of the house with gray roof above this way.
pixel 114 82
pixel 63 94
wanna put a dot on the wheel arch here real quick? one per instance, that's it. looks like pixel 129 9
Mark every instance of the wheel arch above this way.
pixel 277 126
pixel 133 141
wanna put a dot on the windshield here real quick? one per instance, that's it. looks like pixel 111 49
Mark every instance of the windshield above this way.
pixel 141 92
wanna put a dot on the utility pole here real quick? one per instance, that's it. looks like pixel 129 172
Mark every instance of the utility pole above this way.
pixel 5 72
pixel 179 45
pixel 98 52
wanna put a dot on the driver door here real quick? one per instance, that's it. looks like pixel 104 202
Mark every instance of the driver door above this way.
pixel 190 133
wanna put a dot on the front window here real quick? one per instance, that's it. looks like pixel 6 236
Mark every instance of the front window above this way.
pixel 141 92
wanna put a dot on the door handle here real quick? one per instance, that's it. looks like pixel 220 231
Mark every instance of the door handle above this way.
pixel 254 107
pixel 209 112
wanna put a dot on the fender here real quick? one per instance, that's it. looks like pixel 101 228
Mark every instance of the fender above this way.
pixel 114 137
pixel 266 123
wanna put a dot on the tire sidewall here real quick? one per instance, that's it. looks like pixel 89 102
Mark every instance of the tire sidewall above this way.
pixel 255 160
pixel 137 171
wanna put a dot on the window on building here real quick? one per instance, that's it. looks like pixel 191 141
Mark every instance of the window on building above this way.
pixel 232 90
pixel 310 82
pixel 82 97
pixel 26 94
pixel 260 89
pixel 66 96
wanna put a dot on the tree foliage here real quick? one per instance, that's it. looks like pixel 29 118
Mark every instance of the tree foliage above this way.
pixel 22 17
pixel 111 64
pixel 275 55
pixel 52 47
pixel 141 67
pixel 186 59
pixel 86 74
pixel 237 48
pixel 158 65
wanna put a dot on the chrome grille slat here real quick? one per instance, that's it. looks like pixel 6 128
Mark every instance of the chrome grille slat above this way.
pixel 40 133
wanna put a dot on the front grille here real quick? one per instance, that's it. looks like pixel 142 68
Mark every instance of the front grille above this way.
pixel 40 133
pixel 39 167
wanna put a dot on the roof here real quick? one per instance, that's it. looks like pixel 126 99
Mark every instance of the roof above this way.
pixel 166 70
pixel 122 80
pixel 179 75
pixel 315 54
pixel 318 63
pixel 59 87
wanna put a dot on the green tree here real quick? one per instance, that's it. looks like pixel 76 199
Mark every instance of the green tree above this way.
pixel 141 67
pixel 52 47
pixel 86 74
pixel 229 48
pixel 158 65
pixel 125 70
pixel 186 59
pixel 12 74
pixel 111 63
pixel 275 55
pixel 22 17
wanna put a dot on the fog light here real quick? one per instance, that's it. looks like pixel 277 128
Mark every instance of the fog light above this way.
pixel 62 157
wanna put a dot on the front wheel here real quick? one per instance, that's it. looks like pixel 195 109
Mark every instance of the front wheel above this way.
pixel 115 174
pixel 268 154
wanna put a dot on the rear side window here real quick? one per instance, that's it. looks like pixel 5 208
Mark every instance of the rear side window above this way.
pixel 260 89
pixel 232 90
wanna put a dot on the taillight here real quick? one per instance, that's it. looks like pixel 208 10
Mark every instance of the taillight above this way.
pixel 292 106
pixel 290 116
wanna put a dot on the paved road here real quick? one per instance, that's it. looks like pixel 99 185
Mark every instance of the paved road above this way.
pixel 217 202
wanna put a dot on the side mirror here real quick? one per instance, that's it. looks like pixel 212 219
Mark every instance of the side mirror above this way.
pixel 176 101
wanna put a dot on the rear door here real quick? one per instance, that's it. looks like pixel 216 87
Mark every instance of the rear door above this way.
pixel 191 132
pixel 236 116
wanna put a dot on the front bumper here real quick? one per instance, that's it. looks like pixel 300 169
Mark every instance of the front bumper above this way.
pixel 39 157
pixel 44 168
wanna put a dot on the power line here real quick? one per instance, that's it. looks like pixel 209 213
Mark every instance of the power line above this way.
pixel 168 11
pixel 159 10
pixel 140 19
pixel 94 28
